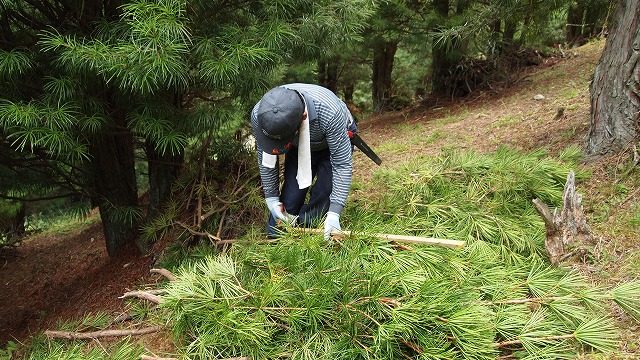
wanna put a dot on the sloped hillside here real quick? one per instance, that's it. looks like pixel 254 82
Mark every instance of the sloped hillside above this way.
pixel 58 276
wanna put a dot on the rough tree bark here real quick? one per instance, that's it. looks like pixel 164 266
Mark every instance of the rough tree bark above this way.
pixel 384 53
pixel 615 90
pixel 328 73
pixel 567 232
pixel 116 186
pixel 163 171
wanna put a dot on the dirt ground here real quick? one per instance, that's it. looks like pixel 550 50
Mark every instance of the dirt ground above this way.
pixel 62 276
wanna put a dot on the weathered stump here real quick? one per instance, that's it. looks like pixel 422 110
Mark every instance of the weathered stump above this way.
pixel 567 232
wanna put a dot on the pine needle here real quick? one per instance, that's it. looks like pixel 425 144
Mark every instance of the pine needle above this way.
pixel 627 296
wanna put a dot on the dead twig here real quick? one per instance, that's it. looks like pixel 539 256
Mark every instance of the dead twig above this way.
pixel 164 272
pixel 142 295
pixel 228 203
pixel 547 338
pixel 198 233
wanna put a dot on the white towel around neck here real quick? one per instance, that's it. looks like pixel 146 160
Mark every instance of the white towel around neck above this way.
pixel 304 156
pixel 304 175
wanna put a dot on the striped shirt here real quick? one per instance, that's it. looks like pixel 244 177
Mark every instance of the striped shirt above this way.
pixel 329 120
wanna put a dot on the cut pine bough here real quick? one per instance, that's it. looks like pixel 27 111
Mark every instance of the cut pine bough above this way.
pixel 393 237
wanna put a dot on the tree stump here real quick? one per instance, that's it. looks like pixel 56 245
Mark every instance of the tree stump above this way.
pixel 567 232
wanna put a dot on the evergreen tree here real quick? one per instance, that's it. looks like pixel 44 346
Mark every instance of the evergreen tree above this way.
pixel 84 82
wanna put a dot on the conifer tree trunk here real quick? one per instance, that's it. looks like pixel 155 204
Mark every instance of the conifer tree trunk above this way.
pixel 116 185
pixel 384 53
pixel 441 58
pixel 163 171
pixel 328 73
pixel 574 24
pixel 615 89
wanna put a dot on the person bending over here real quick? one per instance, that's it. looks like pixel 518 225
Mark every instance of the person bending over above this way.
pixel 309 125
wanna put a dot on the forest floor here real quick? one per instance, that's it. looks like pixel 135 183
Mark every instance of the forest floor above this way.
pixel 56 276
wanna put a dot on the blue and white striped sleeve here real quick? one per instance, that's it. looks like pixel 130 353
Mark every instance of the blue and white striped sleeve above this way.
pixel 341 159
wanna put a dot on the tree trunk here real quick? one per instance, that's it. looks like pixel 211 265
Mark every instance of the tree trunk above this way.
pixel 328 73
pixel 574 24
pixel 442 59
pixel 163 171
pixel 384 53
pixel 568 232
pixel 116 185
pixel 615 89
pixel 508 37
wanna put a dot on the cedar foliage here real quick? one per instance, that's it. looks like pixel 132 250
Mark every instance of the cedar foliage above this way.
pixel 361 297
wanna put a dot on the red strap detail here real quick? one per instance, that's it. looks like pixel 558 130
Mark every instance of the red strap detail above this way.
pixel 350 133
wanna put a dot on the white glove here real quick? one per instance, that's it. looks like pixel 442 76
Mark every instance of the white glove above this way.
pixel 332 222
pixel 277 210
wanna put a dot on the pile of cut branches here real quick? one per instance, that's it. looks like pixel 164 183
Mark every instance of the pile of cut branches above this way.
pixel 362 297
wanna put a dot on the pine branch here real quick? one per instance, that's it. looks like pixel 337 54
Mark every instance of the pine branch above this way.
pixel 540 300
pixel 546 338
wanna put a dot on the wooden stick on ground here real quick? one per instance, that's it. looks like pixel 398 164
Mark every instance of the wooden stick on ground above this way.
pixel 145 295
pixel 98 334
pixel 147 357
pixel 164 272
pixel 393 237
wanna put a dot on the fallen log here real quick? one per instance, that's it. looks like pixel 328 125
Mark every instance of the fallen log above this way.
pixel 567 232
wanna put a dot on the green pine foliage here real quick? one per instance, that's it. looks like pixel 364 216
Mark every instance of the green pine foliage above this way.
pixel 365 298
pixel 59 350
pixel 472 197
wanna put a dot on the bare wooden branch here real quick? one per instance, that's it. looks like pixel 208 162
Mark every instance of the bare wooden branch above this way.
pixel 146 357
pixel 546 338
pixel 98 334
pixel 394 237
pixel 198 233
pixel 546 215
pixel 164 272
pixel 142 295
pixel 568 231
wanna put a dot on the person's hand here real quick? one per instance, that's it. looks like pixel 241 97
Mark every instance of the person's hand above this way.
pixel 277 210
pixel 332 222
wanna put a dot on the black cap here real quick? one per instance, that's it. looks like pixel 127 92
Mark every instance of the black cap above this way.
pixel 279 118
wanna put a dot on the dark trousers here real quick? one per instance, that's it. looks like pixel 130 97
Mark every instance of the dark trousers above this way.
pixel 293 198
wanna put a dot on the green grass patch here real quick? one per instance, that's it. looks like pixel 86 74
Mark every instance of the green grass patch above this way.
pixel 392 147
pixel 59 221
pixel 507 121
pixel 449 119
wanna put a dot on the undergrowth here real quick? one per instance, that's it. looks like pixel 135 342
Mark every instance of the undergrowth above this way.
pixel 361 297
